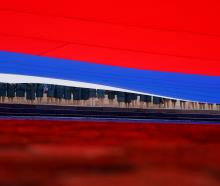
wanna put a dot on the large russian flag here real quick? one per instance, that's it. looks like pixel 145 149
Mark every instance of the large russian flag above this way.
pixel 168 49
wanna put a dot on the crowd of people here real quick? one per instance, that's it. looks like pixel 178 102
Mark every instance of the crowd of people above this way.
pixel 56 94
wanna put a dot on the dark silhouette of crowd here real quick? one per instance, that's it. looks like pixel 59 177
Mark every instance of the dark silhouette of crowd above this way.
pixel 56 94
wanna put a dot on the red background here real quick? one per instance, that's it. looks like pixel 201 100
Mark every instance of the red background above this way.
pixel 168 35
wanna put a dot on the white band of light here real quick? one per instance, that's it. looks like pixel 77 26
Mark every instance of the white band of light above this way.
pixel 14 78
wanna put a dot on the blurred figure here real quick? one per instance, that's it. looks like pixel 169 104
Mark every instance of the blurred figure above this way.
pixel 193 105
pixel 190 106
pixel 173 102
pixel 202 106
pixel 121 99
pixel 167 103
pixel 50 93
pixel 3 92
pixel 218 107
pixel 101 97
pixel 111 97
pixel 148 100
pixel 20 92
pixel 92 96
pixel 134 100
pixel 59 94
pixel 67 94
pixel 85 95
pixel 30 93
pixel 11 88
pixel 128 99
pixel 182 104
pixel 77 95
pixel 158 101
pixel 145 101
pixel 142 101
pixel 39 93
pixel 210 106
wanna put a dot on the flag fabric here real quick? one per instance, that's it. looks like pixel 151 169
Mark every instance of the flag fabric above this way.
pixel 168 49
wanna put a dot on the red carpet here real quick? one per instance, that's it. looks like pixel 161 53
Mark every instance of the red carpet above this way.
pixel 98 153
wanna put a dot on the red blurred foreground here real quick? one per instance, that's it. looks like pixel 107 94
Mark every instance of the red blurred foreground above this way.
pixel 106 154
